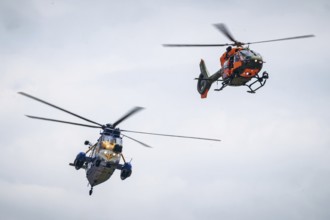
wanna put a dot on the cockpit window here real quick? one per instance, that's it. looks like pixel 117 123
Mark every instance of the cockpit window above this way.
pixel 112 140
pixel 109 138
pixel 237 57
pixel 248 54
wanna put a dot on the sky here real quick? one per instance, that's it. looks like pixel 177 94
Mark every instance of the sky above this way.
pixel 101 58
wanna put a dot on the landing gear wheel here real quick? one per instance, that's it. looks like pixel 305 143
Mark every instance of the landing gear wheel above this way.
pixel 91 191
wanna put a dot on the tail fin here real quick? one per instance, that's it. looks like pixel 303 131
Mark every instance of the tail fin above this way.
pixel 203 69
pixel 203 84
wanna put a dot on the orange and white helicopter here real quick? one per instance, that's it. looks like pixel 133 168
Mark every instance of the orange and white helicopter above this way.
pixel 103 158
pixel 238 64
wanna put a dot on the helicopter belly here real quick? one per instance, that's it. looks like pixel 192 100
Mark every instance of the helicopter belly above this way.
pixel 97 175
pixel 238 81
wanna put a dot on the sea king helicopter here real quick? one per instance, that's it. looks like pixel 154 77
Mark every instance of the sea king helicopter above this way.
pixel 102 158
pixel 239 64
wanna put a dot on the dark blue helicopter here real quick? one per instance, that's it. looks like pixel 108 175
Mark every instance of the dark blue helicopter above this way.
pixel 103 158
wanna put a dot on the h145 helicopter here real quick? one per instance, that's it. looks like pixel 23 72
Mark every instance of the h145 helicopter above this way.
pixel 103 157
pixel 238 64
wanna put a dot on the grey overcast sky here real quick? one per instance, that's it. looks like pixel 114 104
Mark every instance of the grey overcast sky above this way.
pixel 101 58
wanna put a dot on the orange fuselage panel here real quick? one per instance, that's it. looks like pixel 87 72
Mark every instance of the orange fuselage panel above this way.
pixel 230 66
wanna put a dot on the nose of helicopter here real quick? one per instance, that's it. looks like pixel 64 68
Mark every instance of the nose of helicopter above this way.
pixel 255 62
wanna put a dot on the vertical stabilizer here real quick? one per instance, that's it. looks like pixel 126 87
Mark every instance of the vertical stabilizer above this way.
pixel 203 84
pixel 203 69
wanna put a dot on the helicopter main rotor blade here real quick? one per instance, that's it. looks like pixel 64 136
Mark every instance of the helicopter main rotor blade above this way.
pixel 170 135
pixel 197 45
pixel 223 29
pixel 281 39
pixel 128 114
pixel 146 145
pixel 54 106
pixel 60 121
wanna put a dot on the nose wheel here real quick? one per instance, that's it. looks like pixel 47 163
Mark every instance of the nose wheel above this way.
pixel 91 191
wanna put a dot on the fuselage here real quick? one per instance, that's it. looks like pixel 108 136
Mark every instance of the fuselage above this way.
pixel 105 159
pixel 241 64
pixel 99 174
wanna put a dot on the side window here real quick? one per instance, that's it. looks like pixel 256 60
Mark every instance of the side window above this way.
pixel 231 62
pixel 226 64
pixel 119 141
pixel 236 58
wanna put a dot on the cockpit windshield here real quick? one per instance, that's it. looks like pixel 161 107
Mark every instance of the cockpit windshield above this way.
pixel 248 54
pixel 112 140
pixel 108 138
